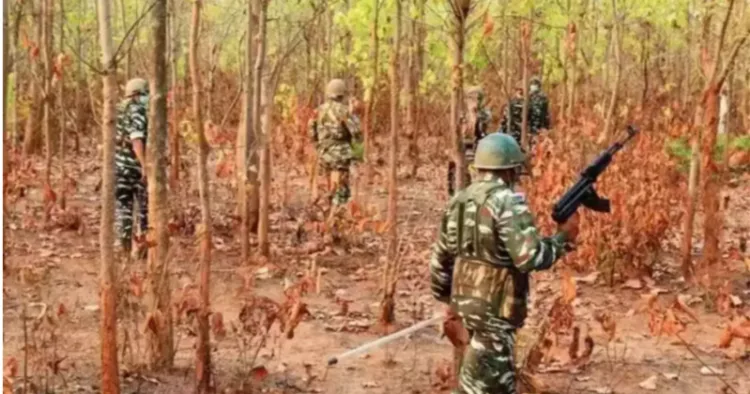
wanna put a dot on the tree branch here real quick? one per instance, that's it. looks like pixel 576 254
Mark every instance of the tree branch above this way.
pixel 130 30
pixel 732 56
pixel 722 36
pixel 94 69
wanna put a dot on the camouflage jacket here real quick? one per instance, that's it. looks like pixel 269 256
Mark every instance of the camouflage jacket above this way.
pixel 514 112
pixel 132 124
pixel 488 245
pixel 538 112
pixel 333 129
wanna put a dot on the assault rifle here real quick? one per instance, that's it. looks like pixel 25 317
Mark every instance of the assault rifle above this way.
pixel 583 193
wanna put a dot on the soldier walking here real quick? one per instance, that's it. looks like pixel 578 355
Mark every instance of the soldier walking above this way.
pixel 538 115
pixel 130 161
pixel 333 129
pixel 487 247
pixel 474 125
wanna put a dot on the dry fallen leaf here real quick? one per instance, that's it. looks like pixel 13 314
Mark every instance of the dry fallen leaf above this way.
pixel 713 371
pixel 633 284
pixel 650 383
pixel 608 323
pixel 259 373
pixel 568 287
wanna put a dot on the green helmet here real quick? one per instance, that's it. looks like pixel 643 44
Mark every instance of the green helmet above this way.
pixel 498 151
pixel 336 88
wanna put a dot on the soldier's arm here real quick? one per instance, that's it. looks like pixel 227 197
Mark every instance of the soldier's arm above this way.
pixel 545 116
pixel 443 259
pixel 353 124
pixel 312 128
pixel 137 124
pixel 515 228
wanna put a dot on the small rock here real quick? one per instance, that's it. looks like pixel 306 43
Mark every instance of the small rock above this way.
pixel 712 371
pixel 670 376
pixel 633 284
pixel 650 383
pixel 263 273
pixel 91 308
pixel 369 385
pixel 603 390
pixel 736 301
pixel 583 378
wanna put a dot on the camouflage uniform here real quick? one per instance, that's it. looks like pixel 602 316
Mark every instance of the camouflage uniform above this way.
pixel 333 129
pixel 487 247
pixel 475 132
pixel 132 124
pixel 538 112
pixel 514 112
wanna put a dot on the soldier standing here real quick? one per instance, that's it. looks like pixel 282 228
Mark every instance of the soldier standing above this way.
pixel 538 109
pixel 333 129
pixel 511 122
pixel 474 125
pixel 487 247
pixel 130 161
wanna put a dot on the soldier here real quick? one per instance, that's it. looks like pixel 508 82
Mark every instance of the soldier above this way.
pixel 130 161
pixel 511 122
pixel 487 247
pixel 333 130
pixel 474 125
pixel 538 108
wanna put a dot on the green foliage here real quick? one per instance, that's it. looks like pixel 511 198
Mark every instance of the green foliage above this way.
pixel 679 148
pixel 358 151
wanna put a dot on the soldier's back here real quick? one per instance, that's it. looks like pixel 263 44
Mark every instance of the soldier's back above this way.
pixel 331 117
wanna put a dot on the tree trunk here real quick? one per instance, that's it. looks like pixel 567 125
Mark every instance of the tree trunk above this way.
pixel 160 340
pixel 107 279
pixel 47 15
pixel 525 49
pixel 31 138
pixel 80 86
pixel 174 132
pixel 411 94
pixel 203 348
pixel 370 96
pixel 460 16
pixel 6 70
pixel 710 184
pixel 692 196
pixel 61 107
pixel 245 143
pixel 261 135
pixel 610 118
pixel 390 273
pixel 724 109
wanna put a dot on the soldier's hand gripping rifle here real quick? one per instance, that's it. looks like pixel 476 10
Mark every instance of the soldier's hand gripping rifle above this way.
pixel 583 192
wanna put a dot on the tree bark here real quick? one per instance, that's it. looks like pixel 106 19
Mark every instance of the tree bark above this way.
pixel 203 348
pixel 6 70
pixel 31 138
pixel 460 14
pixel 245 144
pixel 610 118
pixel 60 105
pixel 174 132
pixel 261 135
pixel 692 196
pixel 370 96
pixel 160 340
pixel 411 94
pixel 47 15
pixel 525 53
pixel 107 279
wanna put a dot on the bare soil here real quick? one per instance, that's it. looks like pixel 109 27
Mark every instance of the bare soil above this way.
pixel 59 268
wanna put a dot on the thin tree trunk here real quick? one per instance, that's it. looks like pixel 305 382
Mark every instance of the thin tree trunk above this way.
pixel 411 94
pixel 265 163
pixel 610 118
pixel 31 138
pixel 460 16
pixel 6 70
pixel 525 54
pixel 107 279
pixel 390 273
pixel 61 115
pixel 370 96
pixel 246 140
pixel 203 350
pixel 47 15
pixel 80 86
pixel 160 340
pixel 692 196
pixel 174 133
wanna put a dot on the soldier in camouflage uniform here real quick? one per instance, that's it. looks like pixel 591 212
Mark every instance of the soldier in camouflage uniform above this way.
pixel 538 107
pixel 512 119
pixel 130 160
pixel 474 125
pixel 333 129
pixel 487 247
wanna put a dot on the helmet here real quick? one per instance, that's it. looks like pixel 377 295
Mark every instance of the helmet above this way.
pixel 475 92
pixel 535 81
pixel 336 88
pixel 136 85
pixel 498 151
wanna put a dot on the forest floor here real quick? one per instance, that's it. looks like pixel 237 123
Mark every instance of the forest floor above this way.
pixel 59 267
